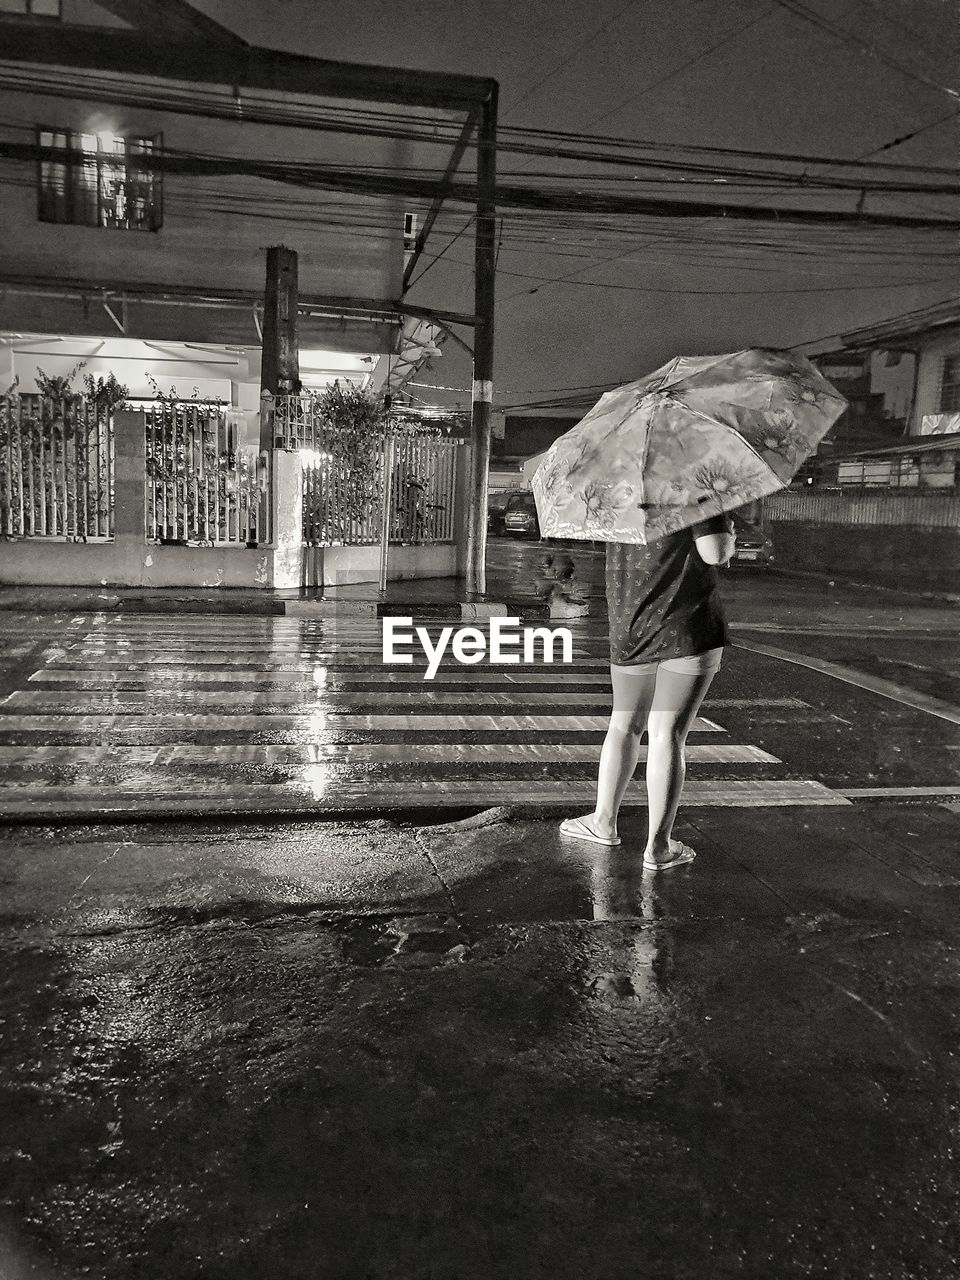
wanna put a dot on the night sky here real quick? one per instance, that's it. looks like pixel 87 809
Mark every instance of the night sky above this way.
pixel 751 74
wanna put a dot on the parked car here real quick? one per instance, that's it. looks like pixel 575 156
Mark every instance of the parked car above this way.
pixel 520 516
pixel 496 508
pixel 753 545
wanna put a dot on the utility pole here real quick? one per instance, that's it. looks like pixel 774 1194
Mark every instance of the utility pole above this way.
pixel 280 357
pixel 484 275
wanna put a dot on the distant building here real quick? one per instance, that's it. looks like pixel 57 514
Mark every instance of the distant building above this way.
pixel 136 209
pixel 523 436
pixel 901 377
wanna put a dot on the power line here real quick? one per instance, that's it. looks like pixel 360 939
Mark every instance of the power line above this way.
pixel 602 149
pixel 800 10
pixel 906 137
pixel 449 245
pixel 884 16
pixel 312 175
pixel 683 67
pixel 642 288
pixel 604 27
pixel 825 337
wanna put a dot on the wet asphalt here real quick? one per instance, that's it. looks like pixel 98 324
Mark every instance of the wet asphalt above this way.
pixel 425 1045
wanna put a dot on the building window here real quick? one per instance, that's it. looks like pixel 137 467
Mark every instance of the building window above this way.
pixel 32 8
pixel 950 384
pixel 102 184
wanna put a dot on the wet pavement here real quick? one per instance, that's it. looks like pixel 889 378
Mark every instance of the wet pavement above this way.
pixel 104 715
pixel 400 1043
pixel 376 1050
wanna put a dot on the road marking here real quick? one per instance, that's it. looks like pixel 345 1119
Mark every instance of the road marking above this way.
pixel 127 701
pixel 319 720
pixel 896 793
pixel 215 754
pixel 873 684
pixel 333 677
pixel 344 796
pixel 917 630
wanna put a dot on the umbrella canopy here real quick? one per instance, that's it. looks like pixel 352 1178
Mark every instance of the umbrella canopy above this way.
pixel 702 435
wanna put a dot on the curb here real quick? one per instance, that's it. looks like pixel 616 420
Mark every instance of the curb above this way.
pixel 271 607
pixel 413 608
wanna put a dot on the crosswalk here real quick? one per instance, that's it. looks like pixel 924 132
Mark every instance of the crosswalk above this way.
pixel 140 714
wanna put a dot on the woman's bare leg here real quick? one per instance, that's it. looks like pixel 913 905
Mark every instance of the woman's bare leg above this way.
pixel 632 698
pixel 676 702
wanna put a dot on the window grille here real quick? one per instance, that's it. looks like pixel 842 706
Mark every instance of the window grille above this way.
pixel 101 184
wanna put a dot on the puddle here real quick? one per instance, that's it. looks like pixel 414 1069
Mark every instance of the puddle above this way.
pixel 406 942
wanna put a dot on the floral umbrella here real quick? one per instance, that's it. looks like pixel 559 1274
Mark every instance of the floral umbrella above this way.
pixel 702 435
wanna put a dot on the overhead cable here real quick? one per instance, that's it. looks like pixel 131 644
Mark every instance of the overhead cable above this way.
pixel 801 10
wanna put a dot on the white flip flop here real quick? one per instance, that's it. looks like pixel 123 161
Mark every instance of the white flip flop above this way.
pixel 684 855
pixel 578 830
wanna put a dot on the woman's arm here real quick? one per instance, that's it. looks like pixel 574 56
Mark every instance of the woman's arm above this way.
pixel 715 548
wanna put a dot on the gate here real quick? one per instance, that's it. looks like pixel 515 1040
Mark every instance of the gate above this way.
pixel 405 480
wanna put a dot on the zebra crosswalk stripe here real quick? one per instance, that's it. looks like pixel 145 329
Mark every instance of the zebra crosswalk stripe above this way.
pixel 276 714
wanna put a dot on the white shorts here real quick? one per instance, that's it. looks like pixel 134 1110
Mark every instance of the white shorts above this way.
pixel 694 664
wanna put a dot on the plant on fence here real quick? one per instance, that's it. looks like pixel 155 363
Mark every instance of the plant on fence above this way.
pixel 57 477
pixel 58 388
pixel 106 393
pixel 184 453
pixel 353 426
pixel 342 499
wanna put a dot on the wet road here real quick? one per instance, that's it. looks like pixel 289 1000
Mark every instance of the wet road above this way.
pixel 820 698
pixel 384 1050
pixel 335 1050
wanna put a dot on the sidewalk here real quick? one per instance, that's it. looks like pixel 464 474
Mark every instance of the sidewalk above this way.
pixel 481 1052
pixel 446 597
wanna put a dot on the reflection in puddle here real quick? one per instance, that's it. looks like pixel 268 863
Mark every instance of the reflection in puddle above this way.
pixel 620 891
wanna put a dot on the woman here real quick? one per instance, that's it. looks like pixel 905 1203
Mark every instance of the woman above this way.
pixel 667 632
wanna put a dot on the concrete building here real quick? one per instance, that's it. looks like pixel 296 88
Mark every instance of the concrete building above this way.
pixel 149 161
pixel 902 378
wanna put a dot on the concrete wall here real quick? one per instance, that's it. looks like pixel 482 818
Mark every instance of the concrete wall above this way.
pixel 341 566
pixel 909 559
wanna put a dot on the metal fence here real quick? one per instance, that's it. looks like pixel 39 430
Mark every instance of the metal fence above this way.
pixel 921 510
pixel 56 469
pixel 202 487
pixel 423 486
pixel 344 497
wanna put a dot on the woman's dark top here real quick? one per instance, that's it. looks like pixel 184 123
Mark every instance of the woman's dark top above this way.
pixel 663 600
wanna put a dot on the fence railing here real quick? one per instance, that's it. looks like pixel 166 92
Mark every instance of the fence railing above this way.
pixel 56 469
pixel 203 487
pixel 916 509
pixel 343 499
pixel 423 487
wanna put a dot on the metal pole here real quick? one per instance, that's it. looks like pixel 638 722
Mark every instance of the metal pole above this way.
pixel 385 509
pixel 484 274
